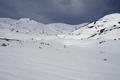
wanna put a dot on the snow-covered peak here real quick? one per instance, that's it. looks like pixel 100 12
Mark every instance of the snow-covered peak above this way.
pixel 32 27
pixel 28 21
pixel 24 19
pixel 114 16
pixel 106 27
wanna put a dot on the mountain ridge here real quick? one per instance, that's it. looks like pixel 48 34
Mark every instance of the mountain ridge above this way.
pixel 103 28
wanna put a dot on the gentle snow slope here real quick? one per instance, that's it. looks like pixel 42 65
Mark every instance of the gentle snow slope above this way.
pixel 59 60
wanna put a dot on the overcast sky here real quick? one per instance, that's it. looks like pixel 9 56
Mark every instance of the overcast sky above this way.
pixel 65 11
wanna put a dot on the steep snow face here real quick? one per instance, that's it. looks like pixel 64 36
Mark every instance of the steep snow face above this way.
pixel 107 27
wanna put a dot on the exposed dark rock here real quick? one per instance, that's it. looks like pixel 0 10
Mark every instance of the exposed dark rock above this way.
pixel 104 21
pixel 44 43
pixel 6 39
pixel 17 31
pixel 92 35
pixel 90 26
pixel 105 59
pixel 101 31
pixel 114 25
pixel 101 42
pixel 95 21
pixel 4 44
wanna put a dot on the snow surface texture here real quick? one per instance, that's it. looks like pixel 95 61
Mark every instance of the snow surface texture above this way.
pixel 34 51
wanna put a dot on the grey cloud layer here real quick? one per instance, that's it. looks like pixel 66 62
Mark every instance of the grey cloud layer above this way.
pixel 67 11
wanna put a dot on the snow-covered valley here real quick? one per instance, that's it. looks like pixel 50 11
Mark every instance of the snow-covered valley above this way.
pixel 34 51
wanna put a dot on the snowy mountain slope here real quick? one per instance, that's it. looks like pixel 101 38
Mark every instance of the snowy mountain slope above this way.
pixel 107 27
pixel 28 26
pixel 26 54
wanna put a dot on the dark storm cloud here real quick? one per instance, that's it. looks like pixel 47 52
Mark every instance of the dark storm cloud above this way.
pixel 67 11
